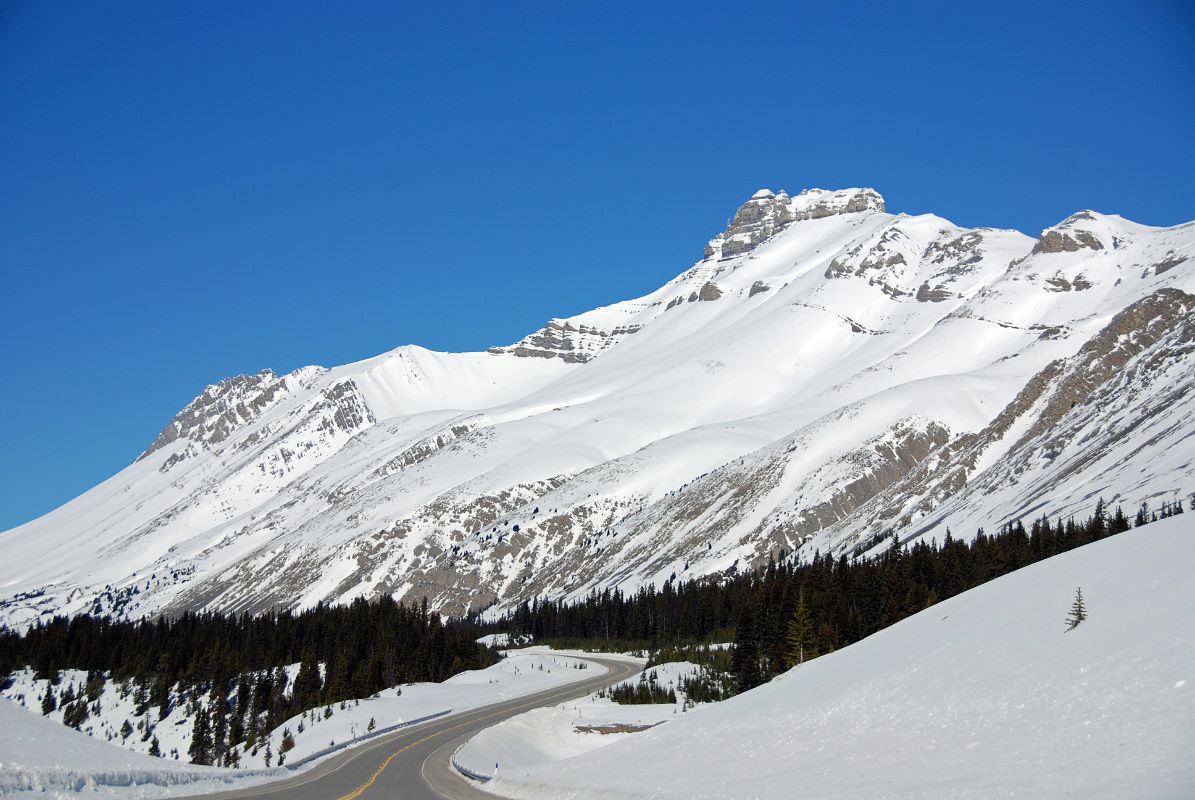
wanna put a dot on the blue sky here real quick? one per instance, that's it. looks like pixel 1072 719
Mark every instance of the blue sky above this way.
pixel 190 191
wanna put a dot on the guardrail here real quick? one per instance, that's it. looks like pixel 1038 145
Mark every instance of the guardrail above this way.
pixel 468 773
pixel 358 740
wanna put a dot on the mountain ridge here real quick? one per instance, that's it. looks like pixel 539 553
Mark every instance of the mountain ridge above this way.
pixel 769 397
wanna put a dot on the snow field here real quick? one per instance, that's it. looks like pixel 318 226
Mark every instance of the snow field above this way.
pixel 984 695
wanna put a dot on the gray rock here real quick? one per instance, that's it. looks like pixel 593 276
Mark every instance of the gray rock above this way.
pixel 767 213
pixel 1055 241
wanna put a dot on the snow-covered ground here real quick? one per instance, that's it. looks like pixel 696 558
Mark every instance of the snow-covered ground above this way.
pixel 547 735
pixel 39 754
pixel 43 758
pixel 503 640
pixel 984 695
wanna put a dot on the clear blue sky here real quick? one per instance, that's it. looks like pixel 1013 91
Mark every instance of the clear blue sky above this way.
pixel 189 191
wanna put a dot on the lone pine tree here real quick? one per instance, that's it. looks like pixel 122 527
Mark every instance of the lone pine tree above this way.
pixel 1078 611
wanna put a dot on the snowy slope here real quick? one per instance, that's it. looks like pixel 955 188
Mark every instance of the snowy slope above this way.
pixel 45 759
pixel 821 353
pixel 984 695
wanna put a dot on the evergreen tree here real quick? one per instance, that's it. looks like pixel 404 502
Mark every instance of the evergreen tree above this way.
pixel 308 685
pixel 800 641
pixel 155 748
pixel 744 664
pixel 1099 522
pixel 201 739
pixel 1078 611
pixel 339 685
pixel 219 711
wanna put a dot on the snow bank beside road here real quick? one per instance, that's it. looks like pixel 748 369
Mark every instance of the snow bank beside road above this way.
pixel 545 735
pixel 42 757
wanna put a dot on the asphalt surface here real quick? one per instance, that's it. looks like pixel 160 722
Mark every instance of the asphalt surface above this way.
pixel 413 764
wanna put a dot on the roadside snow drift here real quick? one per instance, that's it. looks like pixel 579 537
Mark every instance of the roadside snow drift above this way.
pixel 43 758
pixel 983 695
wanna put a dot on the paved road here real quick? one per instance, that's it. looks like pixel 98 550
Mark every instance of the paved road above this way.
pixel 412 764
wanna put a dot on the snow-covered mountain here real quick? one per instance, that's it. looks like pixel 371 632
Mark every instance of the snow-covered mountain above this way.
pixel 828 371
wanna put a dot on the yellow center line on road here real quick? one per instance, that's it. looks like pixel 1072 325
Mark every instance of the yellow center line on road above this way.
pixel 353 795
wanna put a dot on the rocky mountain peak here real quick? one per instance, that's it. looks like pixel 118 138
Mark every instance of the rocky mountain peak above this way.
pixel 1077 232
pixel 767 213
pixel 221 408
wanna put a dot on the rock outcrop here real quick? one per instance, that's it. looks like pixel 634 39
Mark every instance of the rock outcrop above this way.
pixel 1069 236
pixel 767 213
pixel 574 344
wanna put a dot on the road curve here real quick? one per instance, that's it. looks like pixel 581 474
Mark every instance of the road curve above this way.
pixel 413 763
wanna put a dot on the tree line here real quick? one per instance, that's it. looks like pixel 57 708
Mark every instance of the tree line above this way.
pixel 795 609
pixel 237 662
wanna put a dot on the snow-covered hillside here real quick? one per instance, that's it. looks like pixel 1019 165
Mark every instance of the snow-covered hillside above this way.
pixel 984 695
pixel 827 371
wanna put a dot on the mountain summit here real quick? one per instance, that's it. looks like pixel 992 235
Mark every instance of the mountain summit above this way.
pixel 829 374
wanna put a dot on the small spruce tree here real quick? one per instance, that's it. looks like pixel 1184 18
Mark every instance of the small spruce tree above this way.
pixel 1078 611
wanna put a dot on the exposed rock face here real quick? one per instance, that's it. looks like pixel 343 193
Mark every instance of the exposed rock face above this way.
pixel 767 213
pixel 1069 236
pixel 1059 283
pixel 224 407
pixel 709 291
pixel 756 220
pixel 881 261
pixel 423 450
pixel 1146 339
pixel 959 252
pixel 759 287
pixel 937 294
pixel 818 203
pixel 574 344
pixel 1168 264
pixel 702 511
